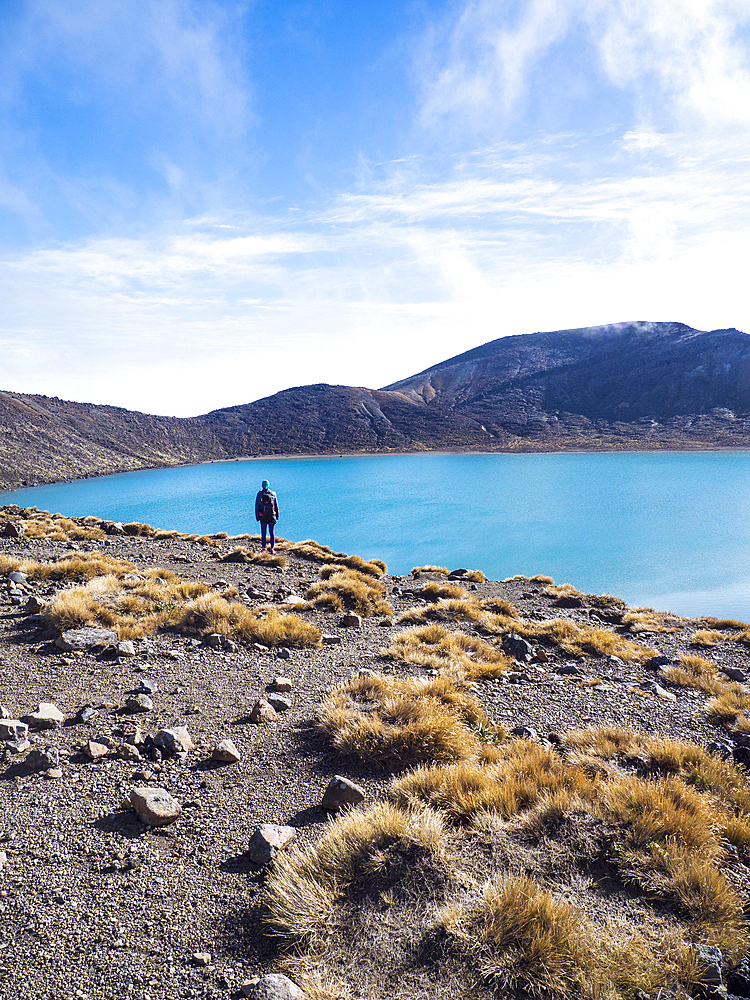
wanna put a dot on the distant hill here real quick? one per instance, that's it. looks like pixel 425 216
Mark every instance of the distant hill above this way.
pixel 620 386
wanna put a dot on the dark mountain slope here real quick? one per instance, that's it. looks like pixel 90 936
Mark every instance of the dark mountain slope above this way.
pixel 628 385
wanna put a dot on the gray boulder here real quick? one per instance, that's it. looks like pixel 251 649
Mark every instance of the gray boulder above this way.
pixel 341 792
pixel 272 986
pixel 155 806
pixel 267 839
pixel 83 639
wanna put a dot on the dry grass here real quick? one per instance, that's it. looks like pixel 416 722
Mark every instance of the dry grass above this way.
pixel 77 566
pixel 695 672
pixel 581 640
pixel 708 638
pixel 455 654
pixel 348 589
pixel 315 552
pixel 731 708
pixel 305 884
pixel 437 591
pixel 452 609
pixel 639 620
pixel 213 613
pixel 522 775
pixel 437 570
pixel 391 722
pixel 267 559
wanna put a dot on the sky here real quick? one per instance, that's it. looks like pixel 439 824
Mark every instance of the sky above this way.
pixel 203 202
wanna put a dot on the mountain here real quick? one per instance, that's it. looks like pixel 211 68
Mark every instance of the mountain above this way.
pixel 619 386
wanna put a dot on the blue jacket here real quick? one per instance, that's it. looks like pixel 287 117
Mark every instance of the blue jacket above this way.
pixel 275 517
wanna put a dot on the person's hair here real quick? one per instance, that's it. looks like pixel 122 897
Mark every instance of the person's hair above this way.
pixel 265 485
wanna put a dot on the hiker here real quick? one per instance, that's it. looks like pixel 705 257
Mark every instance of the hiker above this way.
pixel 267 512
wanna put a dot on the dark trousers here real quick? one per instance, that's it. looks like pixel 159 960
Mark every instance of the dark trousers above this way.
pixel 271 533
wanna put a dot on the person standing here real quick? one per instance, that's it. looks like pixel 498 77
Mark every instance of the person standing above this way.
pixel 267 512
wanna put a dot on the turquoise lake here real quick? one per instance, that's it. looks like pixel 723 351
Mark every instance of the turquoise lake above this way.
pixel 670 531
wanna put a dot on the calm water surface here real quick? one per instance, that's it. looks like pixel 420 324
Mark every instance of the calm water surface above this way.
pixel 665 530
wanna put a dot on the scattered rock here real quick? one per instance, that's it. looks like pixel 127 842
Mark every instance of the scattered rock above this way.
pixel 267 839
pixel 293 601
pixel 34 606
pixel 47 716
pixel 738 980
pixel 201 958
pixel 85 714
pixel 13 729
pixel 283 653
pixel 734 673
pixel 280 683
pixel 331 640
pixel 352 621
pixel 262 711
pixel 86 639
pixel 139 703
pixel 653 688
pixel 341 792
pixel 708 959
pixel 155 806
pixel 173 741
pixel 517 647
pixel 656 662
pixel 147 686
pixel 125 648
pixel 12 529
pixel 226 752
pixel 273 986
pixel 568 669
pixel 94 750
pixel 280 702
pixel 42 760
pixel 524 733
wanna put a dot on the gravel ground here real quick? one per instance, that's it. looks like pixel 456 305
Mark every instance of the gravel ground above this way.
pixel 93 904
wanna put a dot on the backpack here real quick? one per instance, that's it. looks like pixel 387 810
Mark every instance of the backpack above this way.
pixel 267 513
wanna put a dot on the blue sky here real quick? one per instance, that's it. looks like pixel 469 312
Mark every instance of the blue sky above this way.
pixel 202 203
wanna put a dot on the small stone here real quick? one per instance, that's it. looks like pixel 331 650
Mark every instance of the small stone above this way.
pixel 213 640
pixel 280 683
pixel 53 772
pixel 524 733
pixel 173 741
pixel 283 653
pixel 4 712
pixel 125 648
pixel 517 647
pixel 272 986
pixel 293 601
pixel 147 686
pixel 708 960
pixel 267 839
pixel 155 806
pixel 341 792
pixel 34 606
pixel 279 702
pixel 262 711
pixel 260 648
pixel 139 703
pixel 42 760
pixel 734 674
pixel 331 640
pixel 85 714
pixel 94 750
pixel 17 576
pixel 13 729
pixel 352 621
pixel 568 669
pixel 226 752
pixel 653 688
pixel 655 662
pixel 201 958
pixel 85 639
pixel 17 746
pixel 3 860
pixel 47 716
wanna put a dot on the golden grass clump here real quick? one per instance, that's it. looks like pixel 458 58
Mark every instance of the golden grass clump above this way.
pixel 707 638
pixel 348 589
pixel 453 609
pixel 456 654
pixel 694 672
pixel 76 566
pixel 522 775
pixel 436 591
pixel 267 559
pixel 315 552
pixel 647 620
pixel 305 884
pixel 213 613
pixel 581 640
pixel 731 708
pixel 534 941
pixel 390 721
pixel 436 570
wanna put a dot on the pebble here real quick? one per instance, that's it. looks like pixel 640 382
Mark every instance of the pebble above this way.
pixel 173 741
pixel 155 806
pixel 139 703
pixel 267 839
pixel 273 986
pixel 331 640
pixel 279 702
pixel 13 729
pixel 226 752
pixel 47 716
pixel 280 683
pixel 342 792
pixel 352 621
pixel 263 711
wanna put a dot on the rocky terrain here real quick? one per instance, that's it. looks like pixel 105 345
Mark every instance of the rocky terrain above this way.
pixel 96 903
pixel 620 386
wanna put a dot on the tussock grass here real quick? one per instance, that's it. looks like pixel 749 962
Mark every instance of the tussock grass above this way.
pixel 437 570
pixel 348 589
pixel 456 654
pixel 708 638
pixel 355 852
pixel 726 624
pixel 581 640
pixel 77 566
pixel 213 613
pixel 522 775
pixel 453 609
pixel 731 707
pixel 315 552
pixel 695 672
pixel 396 721
pixel 534 941
pixel 267 559
pixel 437 591
pixel 647 620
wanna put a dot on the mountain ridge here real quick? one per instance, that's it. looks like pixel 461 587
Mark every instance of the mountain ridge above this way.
pixel 620 386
